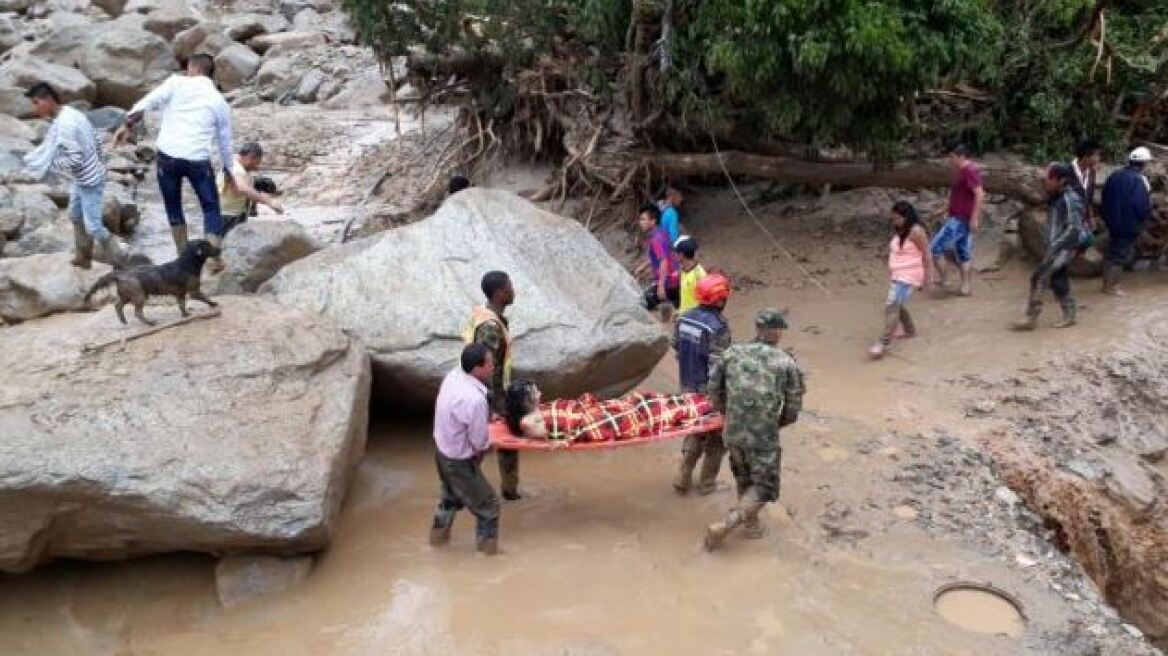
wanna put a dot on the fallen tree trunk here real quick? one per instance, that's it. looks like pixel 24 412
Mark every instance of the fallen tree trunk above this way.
pixel 1004 176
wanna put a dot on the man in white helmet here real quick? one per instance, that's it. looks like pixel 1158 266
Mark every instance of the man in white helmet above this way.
pixel 1127 204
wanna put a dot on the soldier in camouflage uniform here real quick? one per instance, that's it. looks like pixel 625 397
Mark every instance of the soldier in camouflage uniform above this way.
pixel 490 327
pixel 759 388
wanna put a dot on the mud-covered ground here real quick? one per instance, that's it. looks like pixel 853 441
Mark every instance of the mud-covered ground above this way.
pixel 896 481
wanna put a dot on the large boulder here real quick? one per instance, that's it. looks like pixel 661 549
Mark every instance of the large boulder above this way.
pixel 578 324
pixel 225 435
pixel 65 42
pixel 1032 230
pixel 15 5
pixel 10 34
pixel 257 250
pixel 126 64
pixel 14 103
pixel 15 135
pixel 285 42
pixel 167 25
pixel 235 65
pixel 112 7
pixel 206 38
pixel 367 89
pixel 242 27
pixel 40 285
pixel 54 236
pixel 70 83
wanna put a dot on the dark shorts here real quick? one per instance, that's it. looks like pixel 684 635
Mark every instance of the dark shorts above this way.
pixel 672 296
pixel 756 471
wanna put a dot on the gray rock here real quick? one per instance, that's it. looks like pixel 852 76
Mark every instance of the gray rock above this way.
pixel 365 90
pixel 126 64
pixel 18 6
pixel 277 398
pixel 10 34
pixel 578 323
pixel 235 65
pixel 120 212
pixel 274 44
pixel 55 236
pixel 240 579
pixel 309 85
pixel 308 20
pixel 242 27
pixel 112 7
pixel 11 221
pixel 257 250
pixel 13 102
pixel 1128 483
pixel 1084 470
pixel 167 25
pixel 39 285
pixel 277 77
pixel 34 205
pixel 65 43
pixel 1006 496
pixel 15 135
pixel 290 8
pixel 206 38
pixel 70 83
pixel 106 119
pixel 245 100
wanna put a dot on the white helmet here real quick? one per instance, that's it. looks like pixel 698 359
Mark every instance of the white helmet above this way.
pixel 1140 155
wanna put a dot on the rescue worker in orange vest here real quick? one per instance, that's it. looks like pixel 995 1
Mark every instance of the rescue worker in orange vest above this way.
pixel 699 338
pixel 489 327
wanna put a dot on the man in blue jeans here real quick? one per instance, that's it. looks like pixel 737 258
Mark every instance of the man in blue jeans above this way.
pixel 955 238
pixel 195 118
pixel 72 148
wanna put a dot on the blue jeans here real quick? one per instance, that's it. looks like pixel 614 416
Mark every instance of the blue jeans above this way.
pixel 899 293
pixel 954 236
pixel 85 208
pixel 171 171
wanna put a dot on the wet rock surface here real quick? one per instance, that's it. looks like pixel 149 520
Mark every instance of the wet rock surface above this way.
pixel 231 434
pixel 578 324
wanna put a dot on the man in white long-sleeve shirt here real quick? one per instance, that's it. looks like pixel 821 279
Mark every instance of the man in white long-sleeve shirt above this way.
pixel 71 147
pixel 195 119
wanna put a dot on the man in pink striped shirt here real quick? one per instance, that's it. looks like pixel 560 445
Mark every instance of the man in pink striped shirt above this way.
pixel 461 419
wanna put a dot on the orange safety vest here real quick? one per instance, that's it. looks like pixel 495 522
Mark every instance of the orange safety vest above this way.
pixel 478 317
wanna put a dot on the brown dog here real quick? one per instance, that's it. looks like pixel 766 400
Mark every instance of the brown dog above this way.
pixel 179 279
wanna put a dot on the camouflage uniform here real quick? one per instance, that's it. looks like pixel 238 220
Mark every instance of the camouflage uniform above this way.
pixel 759 389
pixel 492 335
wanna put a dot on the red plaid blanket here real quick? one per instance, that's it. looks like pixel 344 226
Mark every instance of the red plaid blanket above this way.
pixel 638 414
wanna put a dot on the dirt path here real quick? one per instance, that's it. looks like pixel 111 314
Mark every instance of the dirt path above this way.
pixel 886 497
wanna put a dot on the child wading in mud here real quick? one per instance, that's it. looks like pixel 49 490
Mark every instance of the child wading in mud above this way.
pixel 910 269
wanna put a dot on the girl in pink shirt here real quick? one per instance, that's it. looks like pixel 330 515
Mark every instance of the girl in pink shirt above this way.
pixel 910 268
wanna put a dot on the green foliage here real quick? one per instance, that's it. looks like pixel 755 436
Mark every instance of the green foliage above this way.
pixel 821 71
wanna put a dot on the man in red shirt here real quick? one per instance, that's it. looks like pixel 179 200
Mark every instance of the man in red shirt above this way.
pixel 955 238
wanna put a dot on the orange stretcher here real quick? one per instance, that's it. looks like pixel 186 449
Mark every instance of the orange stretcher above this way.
pixel 501 437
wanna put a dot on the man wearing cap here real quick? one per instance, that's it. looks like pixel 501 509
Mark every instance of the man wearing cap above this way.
pixel 759 389
pixel 1066 232
pixel 1127 204
pixel 699 338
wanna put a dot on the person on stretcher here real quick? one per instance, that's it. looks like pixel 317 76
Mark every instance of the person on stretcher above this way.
pixel 587 419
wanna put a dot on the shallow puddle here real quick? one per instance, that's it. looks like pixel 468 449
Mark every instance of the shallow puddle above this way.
pixel 980 610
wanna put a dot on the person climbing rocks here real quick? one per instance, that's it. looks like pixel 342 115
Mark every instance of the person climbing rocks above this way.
pixel 1066 232
pixel 691 272
pixel 670 207
pixel 1127 205
pixel 489 326
pixel 195 118
pixel 955 238
pixel 461 436
pixel 660 261
pixel 759 389
pixel 72 148
pixel 237 200
pixel 699 338
pixel 910 268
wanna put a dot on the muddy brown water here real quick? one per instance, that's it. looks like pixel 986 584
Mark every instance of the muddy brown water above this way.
pixel 602 558
pixel 981 610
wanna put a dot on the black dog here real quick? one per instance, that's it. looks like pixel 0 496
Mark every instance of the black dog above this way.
pixel 179 279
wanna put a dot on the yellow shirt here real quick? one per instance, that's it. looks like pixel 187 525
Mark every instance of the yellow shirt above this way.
pixel 231 202
pixel 689 283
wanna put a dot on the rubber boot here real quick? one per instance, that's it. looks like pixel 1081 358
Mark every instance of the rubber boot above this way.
pixel 1111 276
pixel 215 265
pixel 111 252
pixel 82 247
pixel 1027 324
pixel 717 532
pixel 751 524
pixel 487 546
pixel 684 479
pixel 711 465
pixel 1070 310
pixel 179 234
